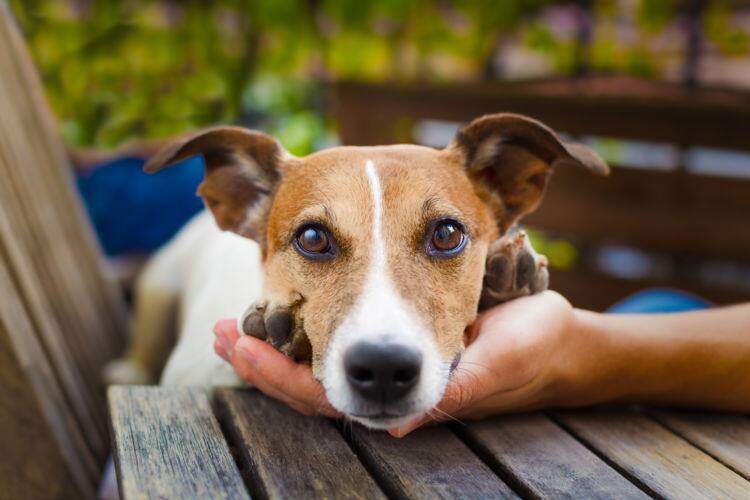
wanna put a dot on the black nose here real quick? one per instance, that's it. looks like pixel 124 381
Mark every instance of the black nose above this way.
pixel 382 373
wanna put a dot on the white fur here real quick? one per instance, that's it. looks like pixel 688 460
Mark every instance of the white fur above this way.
pixel 219 274
pixel 381 315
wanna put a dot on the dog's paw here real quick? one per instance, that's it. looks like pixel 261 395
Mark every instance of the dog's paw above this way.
pixel 278 324
pixel 125 371
pixel 513 270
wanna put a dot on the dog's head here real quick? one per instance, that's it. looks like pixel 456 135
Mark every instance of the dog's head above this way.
pixel 386 245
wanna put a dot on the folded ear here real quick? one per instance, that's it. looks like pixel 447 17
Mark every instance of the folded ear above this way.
pixel 511 157
pixel 242 168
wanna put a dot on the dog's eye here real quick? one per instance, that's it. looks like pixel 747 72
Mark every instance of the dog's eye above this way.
pixel 446 238
pixel 314 242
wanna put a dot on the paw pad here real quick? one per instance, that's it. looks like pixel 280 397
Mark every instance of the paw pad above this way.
pixel 513 270
pixel 278 324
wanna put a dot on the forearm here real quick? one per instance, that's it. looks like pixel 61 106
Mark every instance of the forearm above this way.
pixel 699 359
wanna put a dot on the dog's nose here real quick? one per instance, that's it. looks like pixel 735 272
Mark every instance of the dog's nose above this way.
pixel 382 373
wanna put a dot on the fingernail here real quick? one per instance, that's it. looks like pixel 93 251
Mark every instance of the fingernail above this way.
pixel 405 429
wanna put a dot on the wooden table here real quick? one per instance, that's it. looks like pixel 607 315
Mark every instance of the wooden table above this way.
pixel 179 443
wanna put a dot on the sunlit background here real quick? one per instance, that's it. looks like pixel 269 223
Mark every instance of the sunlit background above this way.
pixel 121 75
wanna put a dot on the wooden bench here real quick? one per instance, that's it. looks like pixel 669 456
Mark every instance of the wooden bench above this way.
pixel 178 443
pixel 61 315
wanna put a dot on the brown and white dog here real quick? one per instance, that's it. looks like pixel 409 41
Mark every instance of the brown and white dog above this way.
pixel 368 262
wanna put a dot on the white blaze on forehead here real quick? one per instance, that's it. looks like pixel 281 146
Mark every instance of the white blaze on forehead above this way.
pixel 378 256
pixel 381 315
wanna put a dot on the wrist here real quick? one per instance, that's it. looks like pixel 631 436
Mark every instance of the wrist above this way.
pixel 610 365
pixel 625 363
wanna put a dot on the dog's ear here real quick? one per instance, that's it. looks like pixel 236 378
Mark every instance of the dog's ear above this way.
pixel 511 157
pixel 242 168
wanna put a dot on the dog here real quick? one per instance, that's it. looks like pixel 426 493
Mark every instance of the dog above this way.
pixel 367 262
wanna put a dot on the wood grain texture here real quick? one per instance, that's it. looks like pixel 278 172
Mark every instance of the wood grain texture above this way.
pixel 428 463
pixel 658 459
pixel 44 454
pixel 288 455
pixel 542 460
pixel 725 437
pixel 168 444
pixel 77 316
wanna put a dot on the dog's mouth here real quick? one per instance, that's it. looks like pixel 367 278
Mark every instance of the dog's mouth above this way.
pixel 377 416
pixel 383 420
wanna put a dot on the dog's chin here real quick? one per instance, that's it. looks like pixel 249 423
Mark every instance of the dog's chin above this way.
pixel 384 423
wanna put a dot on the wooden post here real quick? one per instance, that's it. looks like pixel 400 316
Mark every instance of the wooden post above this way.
pixel 61 316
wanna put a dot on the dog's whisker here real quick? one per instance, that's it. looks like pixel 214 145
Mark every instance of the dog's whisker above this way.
pixel 448 415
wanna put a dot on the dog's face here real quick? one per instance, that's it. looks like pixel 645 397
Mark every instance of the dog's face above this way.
pixel 386 245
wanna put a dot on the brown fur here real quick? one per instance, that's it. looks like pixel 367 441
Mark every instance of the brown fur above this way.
pixel 495 171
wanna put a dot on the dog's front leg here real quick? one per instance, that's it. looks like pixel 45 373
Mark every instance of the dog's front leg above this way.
pixel 513 270
pixel 279 322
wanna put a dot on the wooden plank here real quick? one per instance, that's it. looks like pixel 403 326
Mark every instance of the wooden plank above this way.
pixel 37 169
pixel 428 463
pixel 657 211
pixel 46 332
pixel 44 452
pixel 168 444
pixel 541 460
pixel 724 437
pixel 652 111
pixel 78 315
pixel 593 290
pixel 288 455
pixel 657 459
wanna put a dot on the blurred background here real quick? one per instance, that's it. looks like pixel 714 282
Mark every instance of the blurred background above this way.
pixel 660 88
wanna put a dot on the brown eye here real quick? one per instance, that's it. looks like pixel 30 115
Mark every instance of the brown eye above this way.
pixel 448 238
pixel 314 242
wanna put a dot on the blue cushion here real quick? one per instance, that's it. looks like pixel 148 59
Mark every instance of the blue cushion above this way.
pixel 659 300
pixel 134 212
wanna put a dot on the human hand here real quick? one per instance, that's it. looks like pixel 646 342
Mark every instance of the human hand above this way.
pixel 522 355
pixel 273 373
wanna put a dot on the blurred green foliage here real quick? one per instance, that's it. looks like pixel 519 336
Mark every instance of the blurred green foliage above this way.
pixel 117 70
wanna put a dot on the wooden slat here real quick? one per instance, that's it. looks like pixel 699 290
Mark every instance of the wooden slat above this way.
pixel 596 291
pixel 44 454
pixel 168 444
pixel 59 357
pixel 77 314
pixel 428 463
pixel 657 211
pixel 656 458
pixel 543 460
pixel 725 437
pixel 288 455
pixel 651 111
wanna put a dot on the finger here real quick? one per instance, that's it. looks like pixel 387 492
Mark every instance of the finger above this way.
pixel 219 349
pixel 464 390
pixel 282 374
pixel 247 372
pixel 459 394
pixel 226 338
pixel 227 335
